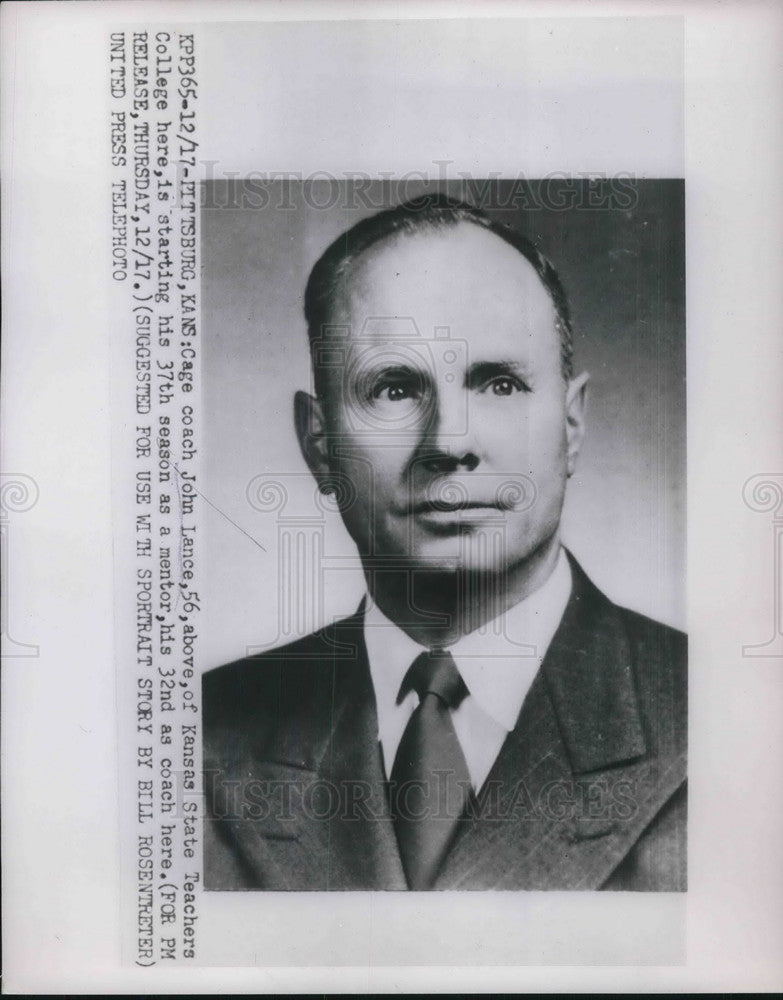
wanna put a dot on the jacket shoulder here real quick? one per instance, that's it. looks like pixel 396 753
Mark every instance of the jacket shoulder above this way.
pixel 655 637
pixel 658 652
pixel 276 679
pixel 659 655
pixel 301 650
pixel 652 642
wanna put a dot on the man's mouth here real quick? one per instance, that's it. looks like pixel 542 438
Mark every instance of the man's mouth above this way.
pixel 451 507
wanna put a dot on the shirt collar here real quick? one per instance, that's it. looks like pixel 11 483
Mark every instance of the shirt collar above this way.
pixel 497 661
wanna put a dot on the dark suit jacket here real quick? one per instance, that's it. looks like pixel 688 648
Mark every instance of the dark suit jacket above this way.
pixel 588 791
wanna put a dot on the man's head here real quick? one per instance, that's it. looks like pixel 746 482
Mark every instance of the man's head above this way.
pixel 445 408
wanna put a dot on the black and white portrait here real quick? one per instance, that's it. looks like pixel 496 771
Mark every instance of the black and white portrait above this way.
pixel 460 675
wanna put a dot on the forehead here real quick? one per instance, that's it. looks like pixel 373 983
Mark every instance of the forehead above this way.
pixel 463 279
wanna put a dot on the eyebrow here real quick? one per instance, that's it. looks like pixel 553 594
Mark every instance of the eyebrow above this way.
pixel 395 370
pixel 482 371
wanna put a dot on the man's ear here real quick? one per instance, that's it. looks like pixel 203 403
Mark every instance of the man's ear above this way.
pixel 310 422
pixel 576 405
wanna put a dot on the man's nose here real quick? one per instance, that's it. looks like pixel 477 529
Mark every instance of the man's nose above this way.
pixel 449 444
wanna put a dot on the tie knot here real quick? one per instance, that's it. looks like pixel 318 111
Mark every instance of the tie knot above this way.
pixel 435 672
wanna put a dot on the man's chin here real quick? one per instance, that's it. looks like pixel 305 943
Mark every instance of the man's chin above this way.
pixel 456 555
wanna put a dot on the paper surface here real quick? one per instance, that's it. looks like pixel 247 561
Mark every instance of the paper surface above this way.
pixel 337 112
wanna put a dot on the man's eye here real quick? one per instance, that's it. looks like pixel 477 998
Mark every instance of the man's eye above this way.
pixel 504 386
pixel 394 392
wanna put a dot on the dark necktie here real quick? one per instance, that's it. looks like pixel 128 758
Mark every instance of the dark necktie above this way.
pixel 430 782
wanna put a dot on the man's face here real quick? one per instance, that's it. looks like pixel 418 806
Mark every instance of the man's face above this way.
pixel 447 419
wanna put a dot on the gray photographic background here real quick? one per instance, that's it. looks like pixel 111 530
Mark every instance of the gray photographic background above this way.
pixel 619 249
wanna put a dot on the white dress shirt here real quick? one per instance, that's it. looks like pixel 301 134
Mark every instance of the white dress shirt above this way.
pixel 497 661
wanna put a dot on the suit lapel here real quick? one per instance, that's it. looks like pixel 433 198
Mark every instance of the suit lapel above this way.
pixel 336 832
pixel 575 784
pixel 360 842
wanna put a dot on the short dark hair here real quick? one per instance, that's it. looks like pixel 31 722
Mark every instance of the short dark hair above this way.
pixel 427 212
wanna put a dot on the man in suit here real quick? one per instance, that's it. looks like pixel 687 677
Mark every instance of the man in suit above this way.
pixel 487 719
